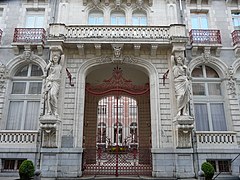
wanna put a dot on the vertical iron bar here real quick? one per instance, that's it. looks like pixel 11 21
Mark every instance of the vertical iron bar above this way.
pixel 117 138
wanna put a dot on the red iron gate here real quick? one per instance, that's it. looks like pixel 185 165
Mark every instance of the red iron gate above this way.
pixel 117 132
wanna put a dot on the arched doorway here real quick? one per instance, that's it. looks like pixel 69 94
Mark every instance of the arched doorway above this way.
pixel 117 126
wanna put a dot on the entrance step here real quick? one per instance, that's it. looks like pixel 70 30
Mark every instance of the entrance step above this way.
pixel 116 178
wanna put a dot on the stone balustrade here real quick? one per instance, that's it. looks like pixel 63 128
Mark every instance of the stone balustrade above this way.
pixel 18 138
pixel 216 139
pixel 126 34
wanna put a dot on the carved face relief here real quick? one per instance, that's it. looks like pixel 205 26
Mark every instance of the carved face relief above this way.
pixel 117 52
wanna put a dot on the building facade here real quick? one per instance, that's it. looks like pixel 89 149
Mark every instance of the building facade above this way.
pixel 120 87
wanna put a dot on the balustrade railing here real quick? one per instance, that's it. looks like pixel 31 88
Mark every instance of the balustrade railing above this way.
pixel 122 32
pixel 205 36
pixel 223 139
pixel 236 37
pixel 18 138
pixel 29 35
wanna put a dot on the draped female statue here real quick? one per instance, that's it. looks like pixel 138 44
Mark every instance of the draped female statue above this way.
pixel 181 82
pixel 52 85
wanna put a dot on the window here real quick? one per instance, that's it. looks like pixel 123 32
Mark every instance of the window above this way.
pixel 118 18
pixel 24 105
pixel 95 18
pixel 199 21
pixel 221 165
pixel 208 100
pixel 139 19
pixel 118 110
pixel 118 133
pixel 102 109
pixel 101 136
pixel 132 110
pixel 34 19
pixel 236 21
pixel 10 165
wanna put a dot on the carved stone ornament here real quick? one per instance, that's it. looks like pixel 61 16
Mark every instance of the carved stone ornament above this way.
pixel 3 72
pixel 105 59
pixel 49 125
pixel 49 135
pixel 206 56
pixel 96 2
pixel 231 82
pixel 27 55
pixel 183 129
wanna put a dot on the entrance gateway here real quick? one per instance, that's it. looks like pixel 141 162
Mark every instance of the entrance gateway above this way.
pixel 117 128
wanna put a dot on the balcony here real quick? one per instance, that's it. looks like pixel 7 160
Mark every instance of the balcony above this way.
pixel 18 139
pixel 216 140
pixel 236 41
pixel 30 37
pixel 107 34
pixel 205 38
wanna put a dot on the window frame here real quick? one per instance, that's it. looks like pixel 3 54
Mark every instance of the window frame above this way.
pixel 98 20
pixel 35 14
pixel 117 15
pixel 208 99
pixel 199 17
pixel 25 98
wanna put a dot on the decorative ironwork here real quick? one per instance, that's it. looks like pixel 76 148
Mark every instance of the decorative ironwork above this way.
pixel 236 37
pixel 117 137
pixel 117 83
pixel 1 32
pixel 130 162
pixel 205 36
pixel 29 35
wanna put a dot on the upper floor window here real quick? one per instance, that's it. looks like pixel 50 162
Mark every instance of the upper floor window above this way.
pixel 34 19
pixel 118 18
pixel 24 100
pixel 208 100
pixel 236 21
pixel 95 18
pixel 199 21
pixel 139 19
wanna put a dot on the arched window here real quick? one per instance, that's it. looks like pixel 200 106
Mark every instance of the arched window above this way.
pixel 24 100
pixel 139 19
pixel 118 18
pixel 208 100
pixel 95 18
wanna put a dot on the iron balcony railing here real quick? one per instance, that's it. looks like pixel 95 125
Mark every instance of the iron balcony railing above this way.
pixel 236 37
pixel 1 32
pixel 205 36
pixel 29 35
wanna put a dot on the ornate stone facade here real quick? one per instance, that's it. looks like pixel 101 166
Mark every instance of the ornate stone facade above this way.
pixel 61 49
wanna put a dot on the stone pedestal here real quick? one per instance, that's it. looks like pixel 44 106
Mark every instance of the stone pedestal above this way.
pixel 183 131
pixel 50 128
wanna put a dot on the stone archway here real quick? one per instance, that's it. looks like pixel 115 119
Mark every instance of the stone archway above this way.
pixel 117 156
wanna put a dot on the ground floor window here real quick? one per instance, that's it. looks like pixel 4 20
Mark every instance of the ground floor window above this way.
pixel 221 165
pixel 10 165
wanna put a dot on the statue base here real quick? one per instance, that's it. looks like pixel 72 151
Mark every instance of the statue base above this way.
pixel 183 126
pixel 50 129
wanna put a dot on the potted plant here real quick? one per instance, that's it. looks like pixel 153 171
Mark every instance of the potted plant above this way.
pixel 208 170
pixel 26 170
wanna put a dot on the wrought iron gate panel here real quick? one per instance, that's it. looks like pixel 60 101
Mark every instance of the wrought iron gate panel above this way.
pixel 117 134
